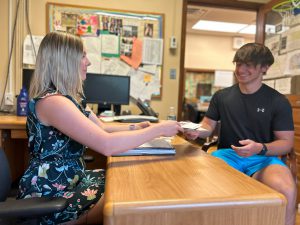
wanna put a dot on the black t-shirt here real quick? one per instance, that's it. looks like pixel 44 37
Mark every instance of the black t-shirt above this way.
pixel 250 116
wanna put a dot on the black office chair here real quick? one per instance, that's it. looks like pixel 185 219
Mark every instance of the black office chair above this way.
pixel 23 211
pixel 192 113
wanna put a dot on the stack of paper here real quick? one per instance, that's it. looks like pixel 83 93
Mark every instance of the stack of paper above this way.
pixel 157 146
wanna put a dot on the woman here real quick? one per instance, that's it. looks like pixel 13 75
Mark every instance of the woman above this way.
pixel 59 130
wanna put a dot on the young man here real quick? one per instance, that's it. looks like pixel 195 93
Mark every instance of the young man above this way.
pixel 256 125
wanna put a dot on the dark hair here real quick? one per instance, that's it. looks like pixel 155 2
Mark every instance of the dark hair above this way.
pixel 255 53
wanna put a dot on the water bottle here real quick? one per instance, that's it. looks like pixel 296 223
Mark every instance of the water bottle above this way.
pixel 172 115
pixel 22 101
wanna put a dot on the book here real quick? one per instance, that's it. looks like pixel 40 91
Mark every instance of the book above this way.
pixel 157 146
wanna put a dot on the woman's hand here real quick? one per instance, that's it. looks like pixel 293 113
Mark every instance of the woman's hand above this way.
pixel 169 128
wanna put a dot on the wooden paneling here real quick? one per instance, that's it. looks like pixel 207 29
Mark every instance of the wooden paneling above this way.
pixel 295 103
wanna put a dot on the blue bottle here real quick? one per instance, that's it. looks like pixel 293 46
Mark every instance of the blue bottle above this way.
pixel 22 101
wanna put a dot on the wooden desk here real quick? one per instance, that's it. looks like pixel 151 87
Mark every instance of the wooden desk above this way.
pixel 13 139
pixel 189 188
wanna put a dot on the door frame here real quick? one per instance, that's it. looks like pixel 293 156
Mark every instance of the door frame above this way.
pixel 230 4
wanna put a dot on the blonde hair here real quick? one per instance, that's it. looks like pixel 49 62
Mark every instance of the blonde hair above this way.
pixel 58 66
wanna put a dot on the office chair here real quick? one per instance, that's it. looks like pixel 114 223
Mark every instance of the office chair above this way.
pixel 192 113
pixel 13 211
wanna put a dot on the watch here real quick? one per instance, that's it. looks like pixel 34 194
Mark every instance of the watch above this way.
pixel 264 150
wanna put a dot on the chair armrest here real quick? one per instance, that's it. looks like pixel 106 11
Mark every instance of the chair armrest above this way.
pixel 210 143
pixel 290 160
pixel 32 207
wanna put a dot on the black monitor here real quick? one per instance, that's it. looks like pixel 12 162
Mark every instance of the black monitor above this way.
pixel 107 90
pixel 26 78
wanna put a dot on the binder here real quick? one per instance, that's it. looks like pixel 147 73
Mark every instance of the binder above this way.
pixel 157 146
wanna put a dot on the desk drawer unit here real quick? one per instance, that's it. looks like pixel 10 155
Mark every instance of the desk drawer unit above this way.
pixel 295 102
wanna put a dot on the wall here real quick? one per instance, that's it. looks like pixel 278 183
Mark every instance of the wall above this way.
pixel 172 9
pixel 3 44
pixel 209 52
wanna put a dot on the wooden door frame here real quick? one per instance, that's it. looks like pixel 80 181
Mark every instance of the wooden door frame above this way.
pixel 230 4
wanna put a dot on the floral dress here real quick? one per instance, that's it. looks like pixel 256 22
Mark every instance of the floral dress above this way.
pixel 56 168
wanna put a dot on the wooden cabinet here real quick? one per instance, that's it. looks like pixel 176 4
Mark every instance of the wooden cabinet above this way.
pixel 295 102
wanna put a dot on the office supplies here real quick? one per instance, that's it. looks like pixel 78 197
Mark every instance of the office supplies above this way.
pixel 157 146
pixel 130 119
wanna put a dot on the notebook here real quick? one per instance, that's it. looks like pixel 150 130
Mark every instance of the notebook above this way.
pixel 157 146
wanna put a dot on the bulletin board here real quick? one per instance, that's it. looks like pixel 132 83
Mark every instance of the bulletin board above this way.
pixel 117 42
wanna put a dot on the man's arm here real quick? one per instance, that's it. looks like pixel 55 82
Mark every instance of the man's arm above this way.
pixel 284 141
pixel 206 128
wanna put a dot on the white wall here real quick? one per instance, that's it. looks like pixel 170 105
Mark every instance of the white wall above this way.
pixel 209 52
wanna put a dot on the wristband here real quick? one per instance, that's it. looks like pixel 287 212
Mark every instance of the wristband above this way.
pixel 263 150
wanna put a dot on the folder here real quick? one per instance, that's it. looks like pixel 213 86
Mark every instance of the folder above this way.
pixel 157 146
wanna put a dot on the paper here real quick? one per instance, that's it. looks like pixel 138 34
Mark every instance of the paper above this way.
pixel 114 66
pixel 136 56
pixel 191 126
pixel 139 89
pixel 223 78
pixel 30 51
pixel 93 49
pixel 283 85
pixel 152 51
pixel 110 45
pixel 157 146
pixel 292 63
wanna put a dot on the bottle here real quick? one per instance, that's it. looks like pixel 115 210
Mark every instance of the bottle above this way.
pixel 172 115
pixel 22 101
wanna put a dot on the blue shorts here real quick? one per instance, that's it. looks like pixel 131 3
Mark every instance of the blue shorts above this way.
pixel 247 165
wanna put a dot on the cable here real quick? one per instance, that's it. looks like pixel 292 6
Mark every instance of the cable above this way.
pixel 28 26
pixel 10 54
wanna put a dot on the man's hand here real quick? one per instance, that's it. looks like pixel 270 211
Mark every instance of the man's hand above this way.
pixel 248 148
pixel 191 134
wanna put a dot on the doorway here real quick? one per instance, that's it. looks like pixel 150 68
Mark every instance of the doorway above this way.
pixel 207 50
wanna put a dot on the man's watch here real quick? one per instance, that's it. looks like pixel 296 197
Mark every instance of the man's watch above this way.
pixel 263 150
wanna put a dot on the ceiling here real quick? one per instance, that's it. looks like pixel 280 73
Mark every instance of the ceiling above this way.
pixel 196 13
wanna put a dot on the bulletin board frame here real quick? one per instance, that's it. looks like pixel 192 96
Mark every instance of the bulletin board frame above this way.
pixel 146 27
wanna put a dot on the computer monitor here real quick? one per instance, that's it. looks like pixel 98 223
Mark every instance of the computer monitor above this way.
pixel 107 90
pixel 26 78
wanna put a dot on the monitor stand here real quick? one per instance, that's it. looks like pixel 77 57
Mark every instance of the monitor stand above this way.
pixel 117 110
pixel 103 107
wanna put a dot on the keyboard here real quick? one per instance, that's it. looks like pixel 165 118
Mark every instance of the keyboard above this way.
pixel 131 119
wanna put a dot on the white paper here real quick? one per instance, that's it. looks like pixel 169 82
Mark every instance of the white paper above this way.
pixel 148 69
pixel 110 44
pixel 270 83
pixel 223 78
pixel 283 85
pixel 292 63
pixel 93 49
pixel 114 66
pixel 140 89
pixel 29 50
pixel 152 51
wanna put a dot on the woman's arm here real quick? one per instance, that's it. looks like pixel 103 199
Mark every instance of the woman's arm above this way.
pixel 113 127
pixel 61 113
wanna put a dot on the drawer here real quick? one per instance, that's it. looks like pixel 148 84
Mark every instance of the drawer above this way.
pixel 294 100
